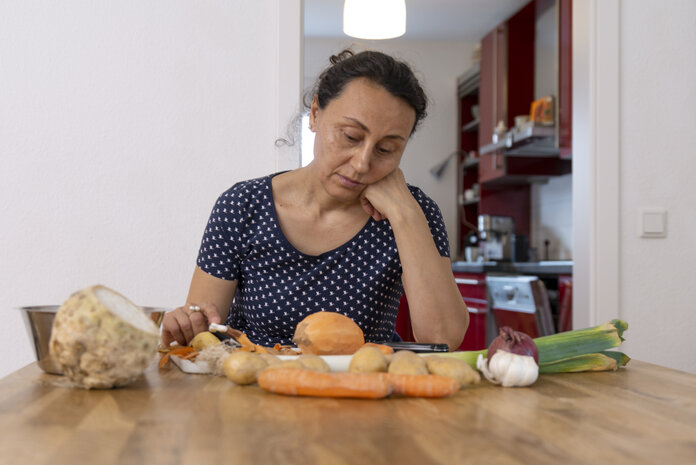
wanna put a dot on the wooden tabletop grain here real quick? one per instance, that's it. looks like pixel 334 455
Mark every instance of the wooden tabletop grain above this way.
pixel 643 414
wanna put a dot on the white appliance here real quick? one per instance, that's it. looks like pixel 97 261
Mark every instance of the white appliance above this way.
pixel 522 303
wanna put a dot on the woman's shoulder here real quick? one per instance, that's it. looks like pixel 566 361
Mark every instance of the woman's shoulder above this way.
pixel 244 196
pixel 248 187
pixel 425 201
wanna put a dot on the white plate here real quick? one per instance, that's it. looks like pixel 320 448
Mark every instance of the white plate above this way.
pixel 336 363
pixel 189 366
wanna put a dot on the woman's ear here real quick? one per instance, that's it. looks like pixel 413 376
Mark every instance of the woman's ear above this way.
pixel 313 111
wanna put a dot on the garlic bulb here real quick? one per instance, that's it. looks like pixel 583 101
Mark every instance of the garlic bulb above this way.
pixel 509 369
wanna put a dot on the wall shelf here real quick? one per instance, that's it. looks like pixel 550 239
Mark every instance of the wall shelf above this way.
pixel 470 162
pixel 530 140
pixel 471 126
pixel 464 203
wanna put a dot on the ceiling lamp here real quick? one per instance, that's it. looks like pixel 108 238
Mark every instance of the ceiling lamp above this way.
pixel 374 19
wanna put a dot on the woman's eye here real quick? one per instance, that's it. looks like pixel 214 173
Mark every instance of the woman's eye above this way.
pixel 384 150
pixel 351 138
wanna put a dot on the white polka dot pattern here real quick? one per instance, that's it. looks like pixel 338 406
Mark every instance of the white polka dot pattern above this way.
pixel 278 285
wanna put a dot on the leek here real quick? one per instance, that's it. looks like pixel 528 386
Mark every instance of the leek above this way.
pixel 572 351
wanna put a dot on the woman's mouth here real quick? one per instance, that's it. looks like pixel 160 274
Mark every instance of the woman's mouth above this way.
pixel 349 182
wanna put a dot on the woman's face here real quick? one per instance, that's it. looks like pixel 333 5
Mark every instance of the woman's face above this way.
pixel 360 137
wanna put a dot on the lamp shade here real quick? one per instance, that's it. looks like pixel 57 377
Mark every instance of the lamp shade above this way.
pixel 374 19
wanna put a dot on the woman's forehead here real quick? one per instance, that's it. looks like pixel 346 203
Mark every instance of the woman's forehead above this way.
pixel 370 103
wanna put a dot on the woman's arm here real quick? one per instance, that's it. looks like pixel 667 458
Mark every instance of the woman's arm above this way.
pixel 212 295
pixel 437 311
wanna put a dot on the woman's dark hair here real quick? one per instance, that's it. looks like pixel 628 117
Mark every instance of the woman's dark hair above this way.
pixel 395 76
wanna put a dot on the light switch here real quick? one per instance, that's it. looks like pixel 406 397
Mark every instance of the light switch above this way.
pixel 653 222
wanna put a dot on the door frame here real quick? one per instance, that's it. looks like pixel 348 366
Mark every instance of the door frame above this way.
pixel 289 82
pixel 596 162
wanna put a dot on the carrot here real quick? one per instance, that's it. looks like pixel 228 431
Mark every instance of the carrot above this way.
pixel 422 385
pixel 386 350
pixel 300 382
pixel 246 343
pixel 184 352
pixel 163 360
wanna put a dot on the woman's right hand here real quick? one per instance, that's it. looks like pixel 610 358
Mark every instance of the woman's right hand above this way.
pixel 183 323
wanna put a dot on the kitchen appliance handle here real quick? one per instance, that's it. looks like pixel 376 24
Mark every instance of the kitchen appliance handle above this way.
pixel 417 347
pixel 470 282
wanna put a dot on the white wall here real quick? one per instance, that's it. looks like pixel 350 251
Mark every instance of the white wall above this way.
pixel 552 218
pixel 437 64
pixel 658 169
pixel 120 123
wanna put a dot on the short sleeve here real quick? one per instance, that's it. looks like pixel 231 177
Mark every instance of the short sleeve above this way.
pixel 435 220
pixel 219 251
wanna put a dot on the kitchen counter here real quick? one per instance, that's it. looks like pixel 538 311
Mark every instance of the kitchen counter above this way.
pixel 542 268
pixel 643 414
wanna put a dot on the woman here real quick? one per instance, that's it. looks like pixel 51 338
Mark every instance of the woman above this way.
pixel 343 234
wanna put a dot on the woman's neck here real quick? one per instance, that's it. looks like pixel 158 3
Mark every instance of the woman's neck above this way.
pixel 301 188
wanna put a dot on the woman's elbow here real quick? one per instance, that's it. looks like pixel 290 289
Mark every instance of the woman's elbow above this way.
pixel 461 326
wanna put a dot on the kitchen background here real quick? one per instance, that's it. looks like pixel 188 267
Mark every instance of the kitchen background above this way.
pixel 120 123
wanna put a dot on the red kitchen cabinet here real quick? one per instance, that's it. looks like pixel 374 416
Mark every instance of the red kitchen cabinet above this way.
pixel 403 321
pixel 507 83
pixel 565 303
pixel 565 78
pixel 472 286
pixel 491 99
pixel 507 90
pixel 468 199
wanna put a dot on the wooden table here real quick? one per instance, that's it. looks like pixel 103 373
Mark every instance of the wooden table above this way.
pixel 644 414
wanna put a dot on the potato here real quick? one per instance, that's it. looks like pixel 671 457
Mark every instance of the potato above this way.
pixel 204 339
pixel 286 364
pixel 405 362
pixel 314 363
pixel 385 349
pixel 456 369
pixel 368 359
pixel 243 367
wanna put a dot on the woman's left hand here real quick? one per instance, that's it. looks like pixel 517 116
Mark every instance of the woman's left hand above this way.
pixel 390 194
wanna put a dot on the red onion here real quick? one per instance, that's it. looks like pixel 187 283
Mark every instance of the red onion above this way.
pixel 515 342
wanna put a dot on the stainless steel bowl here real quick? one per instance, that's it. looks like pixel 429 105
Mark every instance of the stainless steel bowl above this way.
pixel 39 322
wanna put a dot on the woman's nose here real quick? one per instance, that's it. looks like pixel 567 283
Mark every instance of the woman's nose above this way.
pixel 361 159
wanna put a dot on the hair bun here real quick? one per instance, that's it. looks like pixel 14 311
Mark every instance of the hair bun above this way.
pixel 345 54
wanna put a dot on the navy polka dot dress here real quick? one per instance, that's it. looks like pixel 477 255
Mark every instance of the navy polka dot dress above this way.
pixel 278 285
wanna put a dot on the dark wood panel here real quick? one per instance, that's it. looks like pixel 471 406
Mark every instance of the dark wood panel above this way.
pixel 565 76
pixel 513 201
pixel 521 31
pixel 486 89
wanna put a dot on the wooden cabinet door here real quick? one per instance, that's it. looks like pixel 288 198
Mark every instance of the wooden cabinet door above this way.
pixel 491 100
pixel 472 287
pixel 565 79
pixel 486 89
